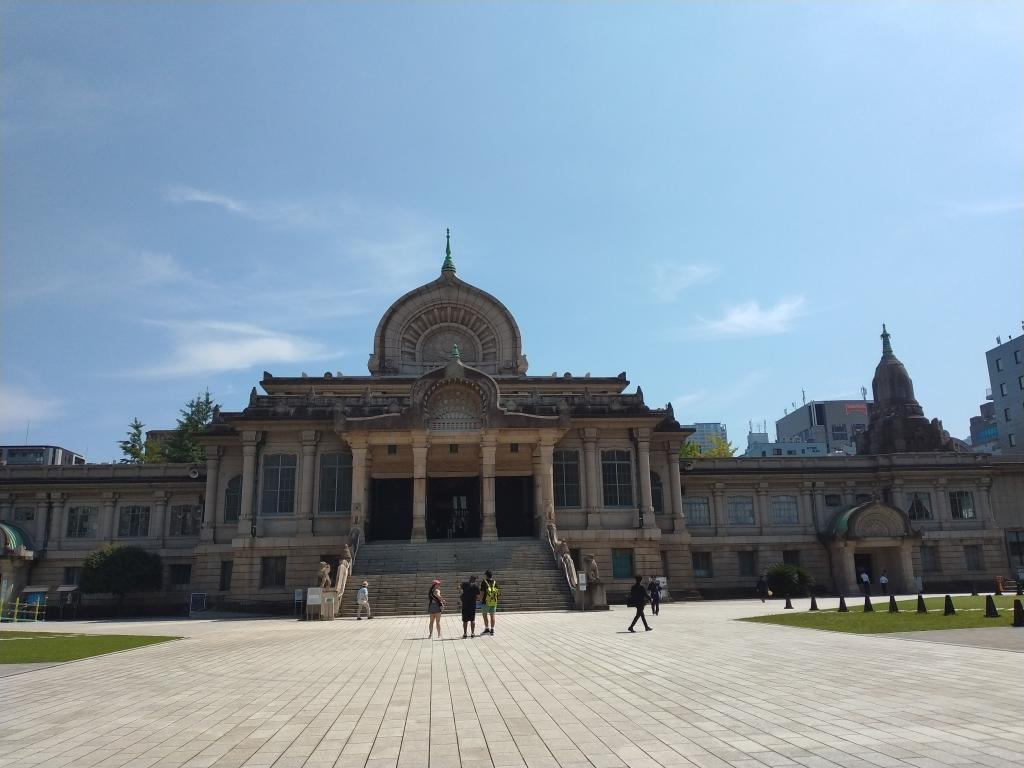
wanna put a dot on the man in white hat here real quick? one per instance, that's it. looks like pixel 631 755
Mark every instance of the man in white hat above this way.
pixel 363 601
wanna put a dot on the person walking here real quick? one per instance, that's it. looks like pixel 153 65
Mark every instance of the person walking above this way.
pixel 883 582
pixel 491 593
pixel 363 601
pixel 435 607
pixel 638 599
pixel 762 586
pixel 469 597
pixel 865 582
pixel 654 590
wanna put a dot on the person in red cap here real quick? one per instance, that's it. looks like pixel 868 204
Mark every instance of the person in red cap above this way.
pixel 435 606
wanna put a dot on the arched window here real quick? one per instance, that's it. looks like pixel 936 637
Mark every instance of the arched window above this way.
pixel 233 499
pixel 657 494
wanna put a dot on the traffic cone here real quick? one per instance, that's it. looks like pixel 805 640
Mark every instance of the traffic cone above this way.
pixel 893 608
pixel 789 605
pixel 814 604
pixel 990 608
pixel 921 607
pixel 868 608
pixel 948 609
pixel 1018 614
pixel 844 609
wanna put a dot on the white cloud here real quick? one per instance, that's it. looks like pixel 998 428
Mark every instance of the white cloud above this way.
pixel 290 213
pixel 214 346
pixel 990 207
pixel 750 319
pixel 671 279
pixel 682 402
pixel 18 407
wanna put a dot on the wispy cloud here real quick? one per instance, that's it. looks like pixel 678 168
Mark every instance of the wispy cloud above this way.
pixel 18 407
pixel 215 346
pixel 671 279
pixel 990 207
pixel 751 319
pixel 291 213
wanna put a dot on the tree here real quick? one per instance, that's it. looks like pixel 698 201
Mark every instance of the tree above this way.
pixel 139 451
pixel 720 449
pixel 119 570
pixel 690 451
pixel 789 580
pixel 196 416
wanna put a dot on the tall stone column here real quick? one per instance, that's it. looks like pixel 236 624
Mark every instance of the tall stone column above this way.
pixel 108 516
pixel 898 498
pixel 909 585
pixel 805 506
pixel 360 497
pixel 849 493
pixel 985 502
pixel 718 507
pixel 592 477
pixel 419 489
pixel 39 528
pixel 819 509
pixel 538 490
pixel 846 571
pixel 942 512
pixel 761 506
pixel 675 490
pixel 307 470
pixel 643 445
pixel 211 497
pixel 247 513
pixel 546 453
pixel 6 504
pixel 58 506
pixel 488 451
pixel 158 519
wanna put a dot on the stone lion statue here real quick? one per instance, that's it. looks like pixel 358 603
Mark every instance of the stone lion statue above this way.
pixel 324 575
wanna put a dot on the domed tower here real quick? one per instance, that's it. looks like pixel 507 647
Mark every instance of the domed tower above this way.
pixel 898 423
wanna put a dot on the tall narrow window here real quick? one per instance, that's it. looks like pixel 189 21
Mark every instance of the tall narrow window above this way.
pixel 961 505
pixel 747 562
pixel 233 499
pixel 272 571
pixel 622 563
pixel 567 478
pixel 82 522
pixel 278 484
pixel 133 521
pixel 186 519
pixel 335 483
pixel 657 494
pixel 930 559
pixel 784 510
pixel 617 478
pixel 697 510
pixel 740 510
pixel 972 557
pixel 920 507
pixel 702 565
pixel 226 566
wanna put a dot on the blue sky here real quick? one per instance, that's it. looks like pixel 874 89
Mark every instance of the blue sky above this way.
pixel 725 200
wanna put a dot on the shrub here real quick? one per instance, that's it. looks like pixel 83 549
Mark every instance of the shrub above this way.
pixel 119 570
pixel 789 580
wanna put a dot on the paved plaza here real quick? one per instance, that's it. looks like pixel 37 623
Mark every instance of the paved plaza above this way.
pixel 550 689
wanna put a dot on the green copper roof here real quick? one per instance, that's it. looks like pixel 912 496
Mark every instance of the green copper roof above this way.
pixel 841 524
pixel 449 265
pixel 886 346
pixel 14 537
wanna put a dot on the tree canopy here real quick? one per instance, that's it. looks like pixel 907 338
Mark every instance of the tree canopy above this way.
pixel 119 570
pixel 181 447
pixel 137 449
pixel 720 449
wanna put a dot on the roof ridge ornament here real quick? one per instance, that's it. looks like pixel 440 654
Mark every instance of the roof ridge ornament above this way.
pixel 449 265
pixel 456 355
pixel 886 346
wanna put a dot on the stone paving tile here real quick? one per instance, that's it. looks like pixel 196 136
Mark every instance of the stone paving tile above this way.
pixel 550 690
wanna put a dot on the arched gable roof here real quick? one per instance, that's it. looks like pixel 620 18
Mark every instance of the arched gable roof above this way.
pixel 14 538
pixel 870 520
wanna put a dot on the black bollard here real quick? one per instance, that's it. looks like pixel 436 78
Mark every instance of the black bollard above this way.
pixel 789 605
pixel 893 608
pixel 948 609
pixel 868 608
pixel 1020 587
pixel 844 609
pixel 921 607
pixel 814 604
pixel 990 608
pixel 974 590
pixel 1018 614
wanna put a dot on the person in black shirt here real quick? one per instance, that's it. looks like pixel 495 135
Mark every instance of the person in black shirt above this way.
pixel 638 599
pixel 470 596
pixel 654 590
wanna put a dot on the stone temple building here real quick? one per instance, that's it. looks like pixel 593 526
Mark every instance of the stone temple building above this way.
pixel 448 457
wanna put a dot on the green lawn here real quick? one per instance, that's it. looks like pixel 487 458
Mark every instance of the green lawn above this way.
pixel 970 613
pixel 18 647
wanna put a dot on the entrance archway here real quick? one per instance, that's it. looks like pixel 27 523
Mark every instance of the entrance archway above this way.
pixel 391 517
pixel 453 507
pixel 513 506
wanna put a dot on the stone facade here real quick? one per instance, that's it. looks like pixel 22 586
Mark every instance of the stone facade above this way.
pixel 449 438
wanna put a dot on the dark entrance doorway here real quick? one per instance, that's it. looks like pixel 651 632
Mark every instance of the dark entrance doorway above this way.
pixel 861 563
pixel 513 505
pixel 391 516
pixel 453 508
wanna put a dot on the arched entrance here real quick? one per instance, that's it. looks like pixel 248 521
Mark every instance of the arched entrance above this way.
pixel 872 538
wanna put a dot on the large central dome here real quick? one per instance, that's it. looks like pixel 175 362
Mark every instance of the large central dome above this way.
pixel 418 331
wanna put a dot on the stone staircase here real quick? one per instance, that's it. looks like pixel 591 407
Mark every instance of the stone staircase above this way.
pixel 400 573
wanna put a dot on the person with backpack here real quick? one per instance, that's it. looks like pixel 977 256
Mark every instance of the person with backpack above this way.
pixel 363 601
pixel 654 590
pixel 638 599
pixel 435 607
pixel 470 594
pixel 491 593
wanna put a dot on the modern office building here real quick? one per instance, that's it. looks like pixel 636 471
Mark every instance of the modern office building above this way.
pixel 985 429
pixel 703 432
pixel 1006 375
pixel 834 424
pixel 760 445
pixel 38 456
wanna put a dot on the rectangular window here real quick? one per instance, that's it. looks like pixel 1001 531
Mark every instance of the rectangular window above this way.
pixel 972 557
pixel 961 505
pixel 392 450
pixel 740 510
pixel 784 510
pixel 567 478
pixel 233 499
pixel 617 478
pixel 24 514
pixel 82 523
pixel 335 483
pixel 186 520
pixel 133 521
pixel 791 556
pixel 278 484
pixel 1006 414
pixel 181 574
pixel 226 566
pixel 702 565
pixel 920 506
pixel 513 447
pixel 1011 439
pixel 1002 388
pixel 1016 355
pixel 664 564
pixel 72 575
pixel 747 562
pixel 1020 382
pixel 999 363
pixel 833 500
pixel 1015 548
pixel 622 563
pixel 930 559
pixel 453 448
pixel 272 572
pixel 839 432
pixel 697 510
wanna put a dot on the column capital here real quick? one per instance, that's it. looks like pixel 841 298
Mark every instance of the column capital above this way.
pixel 161 497
pixel 213 452
pixel 109 496
pixel 359 441
pixel 250 437
pixel 309 438
pixel 589 434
